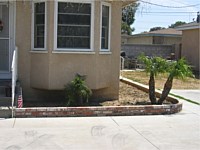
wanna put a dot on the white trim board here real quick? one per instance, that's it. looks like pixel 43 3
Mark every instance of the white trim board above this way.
pixel 91 26
pixel 109 33
pixel 33 29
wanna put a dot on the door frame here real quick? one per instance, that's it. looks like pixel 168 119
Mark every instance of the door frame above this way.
pixel 11 38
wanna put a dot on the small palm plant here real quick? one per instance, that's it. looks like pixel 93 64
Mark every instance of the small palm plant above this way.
pixel 157 65
pixel 77 91
pixel 153 66
pixel 177 69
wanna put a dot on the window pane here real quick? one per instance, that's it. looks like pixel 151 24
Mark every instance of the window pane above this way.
pixel 39 42
pixel 40 30
pixel 39 18
pixel 74 25
pixel 40 7
pixel 105 27
pixel 74 8
pixel 73 19
pixel 73 42
pixel 39 25
pixel 73 31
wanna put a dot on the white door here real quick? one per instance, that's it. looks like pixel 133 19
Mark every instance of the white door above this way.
pixel 6 38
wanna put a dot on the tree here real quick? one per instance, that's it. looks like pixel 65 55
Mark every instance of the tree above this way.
pixel 157 65
pixel 128 18
pixel 179 69
pixel 156 28
pixel 153 66
pixel 178 23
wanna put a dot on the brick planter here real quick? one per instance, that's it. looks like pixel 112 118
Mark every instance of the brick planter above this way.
pixel 98 111
pixel 175 107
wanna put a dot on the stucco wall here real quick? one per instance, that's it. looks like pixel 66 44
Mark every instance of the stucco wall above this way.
pixel 191 47
pixel 134 50
pixel 140 40
pixel 172 40
pixel 149 40
pixel 42 74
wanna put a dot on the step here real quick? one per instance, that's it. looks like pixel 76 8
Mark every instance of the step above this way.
pixel 2 91
pixel 5 101
pixel 5 112
pixel 5 82
pixel 5 91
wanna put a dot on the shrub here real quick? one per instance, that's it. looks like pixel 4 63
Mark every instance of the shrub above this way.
pixel 77 92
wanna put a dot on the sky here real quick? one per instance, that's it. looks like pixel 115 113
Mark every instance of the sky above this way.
pixel 148 16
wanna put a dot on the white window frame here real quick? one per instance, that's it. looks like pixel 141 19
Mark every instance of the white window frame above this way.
pixel 91 27
pixel 109 33
pixel 33 24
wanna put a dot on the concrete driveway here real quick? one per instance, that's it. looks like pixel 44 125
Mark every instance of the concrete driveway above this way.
pixel 169 132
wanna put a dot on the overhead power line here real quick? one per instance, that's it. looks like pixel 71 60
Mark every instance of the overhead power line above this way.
pixel 169 6
pixel 161 12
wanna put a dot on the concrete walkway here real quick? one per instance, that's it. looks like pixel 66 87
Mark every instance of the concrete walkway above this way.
pixel 193 95
pixel 170 132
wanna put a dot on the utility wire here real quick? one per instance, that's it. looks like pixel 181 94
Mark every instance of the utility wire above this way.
pixel 163 15
pixel 180 2
pixel 169 6
pixel 168 12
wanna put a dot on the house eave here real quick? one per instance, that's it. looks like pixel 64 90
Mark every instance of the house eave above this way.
pixel 188 27
pixel 127 2
pixel 124 2
pixel 164 35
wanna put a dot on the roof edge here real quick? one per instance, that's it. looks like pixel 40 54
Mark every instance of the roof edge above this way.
pixel 153 34
pixel 188 27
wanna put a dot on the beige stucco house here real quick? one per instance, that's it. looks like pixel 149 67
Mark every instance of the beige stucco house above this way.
pixel 191 43
pixel 57 39
pixel 163 37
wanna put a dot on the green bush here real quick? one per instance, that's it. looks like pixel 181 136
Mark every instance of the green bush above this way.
pixel 76 92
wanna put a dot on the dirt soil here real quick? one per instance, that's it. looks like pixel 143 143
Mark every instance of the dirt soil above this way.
pixel 128 95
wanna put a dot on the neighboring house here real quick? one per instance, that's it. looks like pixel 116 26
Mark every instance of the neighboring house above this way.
pixel 56 40
pixel 162 37
pixel 162 43
pixel 191 43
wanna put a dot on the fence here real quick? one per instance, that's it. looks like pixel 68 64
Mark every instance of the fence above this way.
pixel 134 50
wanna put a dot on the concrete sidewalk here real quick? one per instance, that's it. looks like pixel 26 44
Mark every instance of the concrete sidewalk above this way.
pixel 193 95
pixel 169 132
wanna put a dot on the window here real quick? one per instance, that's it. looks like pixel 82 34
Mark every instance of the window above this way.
pixel 158 40
pixel 39 26
pixel 73 26
pixel 105 26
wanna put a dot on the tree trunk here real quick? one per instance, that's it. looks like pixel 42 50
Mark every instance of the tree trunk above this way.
pixel 80 101
pixel 166 90
pixel 152 95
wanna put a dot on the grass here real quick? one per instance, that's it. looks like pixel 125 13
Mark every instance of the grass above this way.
pixel 143 77
pixel 180 97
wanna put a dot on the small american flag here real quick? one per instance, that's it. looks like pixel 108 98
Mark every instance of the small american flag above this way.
pixel 20 101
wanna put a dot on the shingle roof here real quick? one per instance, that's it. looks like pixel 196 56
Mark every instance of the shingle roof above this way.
pixel 163 32
pixel 166 31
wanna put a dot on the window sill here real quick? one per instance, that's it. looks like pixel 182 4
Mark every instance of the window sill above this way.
pixel 73 52
pixel 105 53
pixel 39 51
